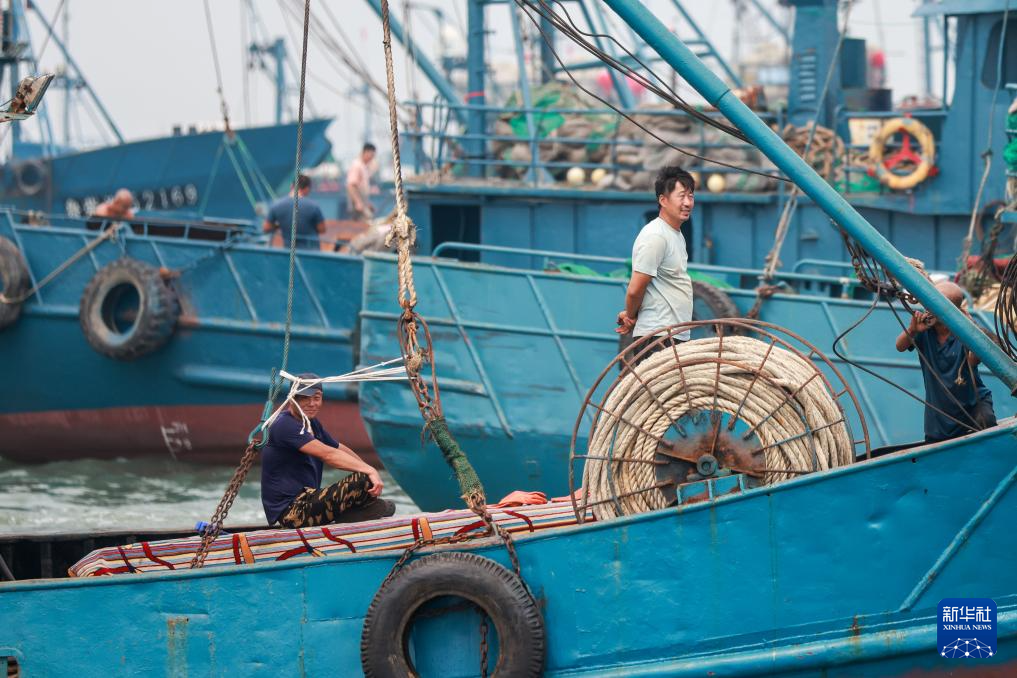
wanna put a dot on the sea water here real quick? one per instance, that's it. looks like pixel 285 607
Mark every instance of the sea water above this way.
pixel 132 494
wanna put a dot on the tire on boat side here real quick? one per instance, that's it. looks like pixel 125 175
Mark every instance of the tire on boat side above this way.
pixel 384 644
pixel 709 302
pixel 128 310
pixel 14 281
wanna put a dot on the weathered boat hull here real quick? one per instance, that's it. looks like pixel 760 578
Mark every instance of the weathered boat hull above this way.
pixel 837 573
pixel 179 174
pixel 214 434
pixel 198 396
pixel 518 349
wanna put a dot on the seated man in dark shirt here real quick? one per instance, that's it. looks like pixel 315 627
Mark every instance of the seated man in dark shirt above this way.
pixel 952 383
pixel 291 469
pixel 310 220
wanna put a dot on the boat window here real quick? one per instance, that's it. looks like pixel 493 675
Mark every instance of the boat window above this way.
pixel 991 63
pixel 456 223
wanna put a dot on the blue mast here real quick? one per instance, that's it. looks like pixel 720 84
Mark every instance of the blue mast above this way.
pixel 443 86
pixel 836 207
pixel 276 50
pixel 69 60
pixel 475 75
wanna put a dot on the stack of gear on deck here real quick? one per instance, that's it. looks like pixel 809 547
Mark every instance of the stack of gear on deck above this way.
pixel 781 396
pixel 570 139
pixel 388 534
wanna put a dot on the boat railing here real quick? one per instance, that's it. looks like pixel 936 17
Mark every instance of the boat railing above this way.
pixel 542 147
pixel 527 144
pixel 197 229
pixel 525 259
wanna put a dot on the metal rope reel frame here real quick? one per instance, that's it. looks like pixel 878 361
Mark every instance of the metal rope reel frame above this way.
pixel 733 456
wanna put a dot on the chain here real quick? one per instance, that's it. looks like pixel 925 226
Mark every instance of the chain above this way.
pixel 483 644
pixel 874 276
pixel 211 533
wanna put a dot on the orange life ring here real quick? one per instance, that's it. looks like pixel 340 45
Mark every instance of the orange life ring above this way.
pixel 925 161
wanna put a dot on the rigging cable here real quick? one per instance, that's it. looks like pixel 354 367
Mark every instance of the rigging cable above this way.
pixel 661 88
pixel 250 454
pixel 987 153
pixel 1006 310
pixel 218 71
pixel 525 4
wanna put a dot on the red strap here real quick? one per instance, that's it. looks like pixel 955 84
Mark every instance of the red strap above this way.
pixel 521 517
pixel 325 531
pixel 469 528
pixel 110 570
pixel 292 552
pixel 151 556
pixel 236 548
pixel 130 568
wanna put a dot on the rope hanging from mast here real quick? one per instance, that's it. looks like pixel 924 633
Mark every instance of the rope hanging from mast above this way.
pixel 411 326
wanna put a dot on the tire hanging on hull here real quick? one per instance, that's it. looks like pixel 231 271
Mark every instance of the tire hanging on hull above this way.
pixel 494 589
pixel 128 310
pixel 14 282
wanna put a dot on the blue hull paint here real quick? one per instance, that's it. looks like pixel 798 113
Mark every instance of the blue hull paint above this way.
pixel 175 174
pixel 227 340
pixel 837 573
pixel 517 350
pixel 730 229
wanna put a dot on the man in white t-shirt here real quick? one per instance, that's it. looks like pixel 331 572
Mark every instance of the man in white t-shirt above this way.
pixel 660 289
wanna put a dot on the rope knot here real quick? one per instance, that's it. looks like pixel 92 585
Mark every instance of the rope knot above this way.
pixel 414 362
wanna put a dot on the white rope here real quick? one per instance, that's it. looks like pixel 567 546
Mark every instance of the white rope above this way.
pixel 788 394
pixel 378 372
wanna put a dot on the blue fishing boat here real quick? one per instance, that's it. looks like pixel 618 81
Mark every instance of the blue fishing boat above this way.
pixel 222 173
pixel 522 337
pixel 193 393
pixel 501 177
pixel 518 349
pixel 784 572
pixel 785 584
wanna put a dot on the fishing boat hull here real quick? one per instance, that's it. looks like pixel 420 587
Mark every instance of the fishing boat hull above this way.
pixel 213 434
pixel 198 396
pixel 834 574
pixel 518 349
pixel 188 173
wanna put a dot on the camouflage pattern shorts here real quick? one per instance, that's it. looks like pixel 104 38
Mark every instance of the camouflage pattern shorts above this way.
pixel 321 507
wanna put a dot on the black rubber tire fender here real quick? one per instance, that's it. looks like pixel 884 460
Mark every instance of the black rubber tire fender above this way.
pixel 158 310
pixel 384 651
pixel 717 302
pixel 14 281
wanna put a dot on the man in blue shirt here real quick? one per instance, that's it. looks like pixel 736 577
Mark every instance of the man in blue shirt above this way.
pixel 957 400
pixel 310 221
pixel 291 468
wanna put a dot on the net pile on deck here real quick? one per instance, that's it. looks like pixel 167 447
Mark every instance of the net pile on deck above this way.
pixel 568 137
pixel 270 545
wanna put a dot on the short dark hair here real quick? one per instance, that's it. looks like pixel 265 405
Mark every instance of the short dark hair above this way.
pixel 368 147
pixel 671 175
pixel 303 182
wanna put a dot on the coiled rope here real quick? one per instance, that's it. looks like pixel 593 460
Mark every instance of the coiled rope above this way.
pixel 779 395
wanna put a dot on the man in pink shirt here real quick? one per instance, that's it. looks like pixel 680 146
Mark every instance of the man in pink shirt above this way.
pixel 358 185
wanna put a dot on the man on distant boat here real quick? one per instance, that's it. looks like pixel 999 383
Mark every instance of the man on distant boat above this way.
pixel 660 289
pixel 358 185
pixel 291 468
pixel 957 402
pixel 117 208
pixel 310 220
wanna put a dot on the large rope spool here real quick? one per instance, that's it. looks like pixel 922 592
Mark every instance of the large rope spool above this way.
pixel 768 406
